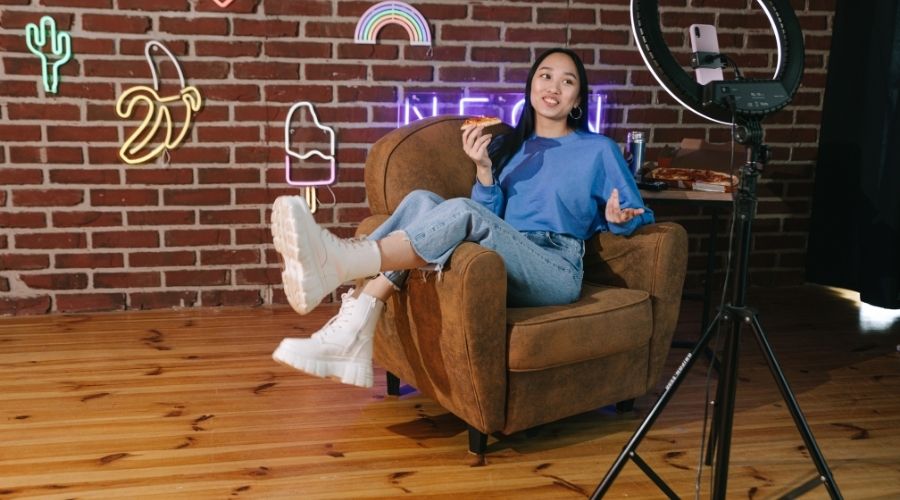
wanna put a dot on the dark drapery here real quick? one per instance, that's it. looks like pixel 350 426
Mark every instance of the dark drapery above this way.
pixel 853 240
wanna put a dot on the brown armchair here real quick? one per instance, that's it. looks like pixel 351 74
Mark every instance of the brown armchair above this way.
pixel 507 369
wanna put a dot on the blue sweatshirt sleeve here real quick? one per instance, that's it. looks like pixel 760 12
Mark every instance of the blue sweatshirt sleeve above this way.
pixel 491 197
pixel 619 177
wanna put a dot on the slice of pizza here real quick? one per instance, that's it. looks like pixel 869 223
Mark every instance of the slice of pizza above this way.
pixel 694 178
pixel 483 121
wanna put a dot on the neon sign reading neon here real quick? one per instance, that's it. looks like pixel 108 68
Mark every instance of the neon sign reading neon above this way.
pixel 507 107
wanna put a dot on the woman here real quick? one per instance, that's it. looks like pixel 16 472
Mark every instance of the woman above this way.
pixel 539 192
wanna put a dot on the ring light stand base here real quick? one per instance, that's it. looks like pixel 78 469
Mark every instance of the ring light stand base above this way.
pixel 736 315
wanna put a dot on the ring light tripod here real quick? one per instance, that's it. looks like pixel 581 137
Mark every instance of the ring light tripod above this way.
pixel 745 102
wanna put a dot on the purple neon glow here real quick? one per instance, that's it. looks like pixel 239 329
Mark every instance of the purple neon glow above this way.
pixel 507 107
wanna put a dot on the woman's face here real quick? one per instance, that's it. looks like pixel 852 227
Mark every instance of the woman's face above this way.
pixel 554 87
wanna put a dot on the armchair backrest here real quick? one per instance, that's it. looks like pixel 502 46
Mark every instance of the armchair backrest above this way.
pixel 426 154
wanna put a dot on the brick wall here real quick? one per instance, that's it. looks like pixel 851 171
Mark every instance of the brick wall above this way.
pixel 83 231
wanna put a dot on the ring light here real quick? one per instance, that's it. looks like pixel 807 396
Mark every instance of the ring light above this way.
pixel 706 101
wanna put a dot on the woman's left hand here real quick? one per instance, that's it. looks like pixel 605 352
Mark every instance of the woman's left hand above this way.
pixel 616 214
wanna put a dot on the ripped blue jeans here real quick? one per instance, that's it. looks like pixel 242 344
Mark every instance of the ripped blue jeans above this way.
pixel 542 267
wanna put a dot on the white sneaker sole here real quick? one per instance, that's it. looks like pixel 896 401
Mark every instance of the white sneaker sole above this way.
pixel 347 370
pixel 293 227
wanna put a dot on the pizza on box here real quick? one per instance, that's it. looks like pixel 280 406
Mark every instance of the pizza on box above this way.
pixel 694 178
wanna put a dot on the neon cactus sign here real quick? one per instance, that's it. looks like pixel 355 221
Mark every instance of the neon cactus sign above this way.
pixel 52 46
pixel 507 107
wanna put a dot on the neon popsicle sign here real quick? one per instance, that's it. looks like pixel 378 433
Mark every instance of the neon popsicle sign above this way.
pixel 507 107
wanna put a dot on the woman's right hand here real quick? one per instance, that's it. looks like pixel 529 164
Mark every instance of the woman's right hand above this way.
pixel 475 145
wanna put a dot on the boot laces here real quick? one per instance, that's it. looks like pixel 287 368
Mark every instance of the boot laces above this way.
pixel 340 319
pixel 347 243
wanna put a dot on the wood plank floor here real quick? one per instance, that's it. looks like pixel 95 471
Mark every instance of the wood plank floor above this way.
pixel 188 404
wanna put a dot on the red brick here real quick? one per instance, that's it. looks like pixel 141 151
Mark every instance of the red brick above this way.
pixel 39 304
pixel 83 176
pixel 56 281
pixel 441 53
pixel 367 94
pixel 505 14
pixel 331 31
pixel 228 257
pixel 367 51
pixel 116 23
pixel 228 134
pixel 125 239
pixel 195 154
pixel 259 276
pixel 47 197
pixel 65 155
pixel 159 176
pixel 197 237
pixel 298 8
pixel 227 49
pixel 209 277
pixel 162 300
pixel 566 16
pixel 232 216
pixel 269 28
pixel 404 73
pixel 298 49
pixel 228 175
pixel 24 262
pixel 92 260
pixel 124 197
pixel 99 91
pixel 93 4
pixel 87 133
pixel 86 302
pixel 43 111
pixel 469 74
pixel 473 33
pixel 86 219
pixel 162 259
pixel 20 133
pixel 51 240
pixel 232 93
pixel 127 280
pixel 18 19
pixel 10 88
pixel 22 220
pixel 335 72
pixel 161 218
pixel 210 196
pixel 157 5
pixel 22 176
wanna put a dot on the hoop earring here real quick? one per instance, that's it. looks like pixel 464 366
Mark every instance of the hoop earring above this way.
pixel 580 112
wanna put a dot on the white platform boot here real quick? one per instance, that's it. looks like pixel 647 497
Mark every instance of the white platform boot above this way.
pixel 342 348
pixel 315 260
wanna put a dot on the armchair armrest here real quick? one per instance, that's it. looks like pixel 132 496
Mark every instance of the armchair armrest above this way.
pixel 654 259
pixel 445 334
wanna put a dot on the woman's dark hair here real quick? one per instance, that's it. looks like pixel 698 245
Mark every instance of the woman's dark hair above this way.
pixel 504 147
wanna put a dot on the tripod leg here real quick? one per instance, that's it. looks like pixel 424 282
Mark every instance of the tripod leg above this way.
pixel 671 387
pixel 825 475
pixel 725 409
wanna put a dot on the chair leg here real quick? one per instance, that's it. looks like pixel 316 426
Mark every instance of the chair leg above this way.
pixel 477 441
pixel 393 384
pixel 625 406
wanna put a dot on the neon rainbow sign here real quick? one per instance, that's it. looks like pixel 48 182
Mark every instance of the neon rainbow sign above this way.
pixel 384 13
pixel 507 107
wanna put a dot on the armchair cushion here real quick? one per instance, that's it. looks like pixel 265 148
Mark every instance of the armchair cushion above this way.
pixel 606 320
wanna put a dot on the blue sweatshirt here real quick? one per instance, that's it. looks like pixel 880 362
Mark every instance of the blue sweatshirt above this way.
pixel 562 184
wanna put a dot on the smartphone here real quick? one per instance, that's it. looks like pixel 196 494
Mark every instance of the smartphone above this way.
pixel 703 39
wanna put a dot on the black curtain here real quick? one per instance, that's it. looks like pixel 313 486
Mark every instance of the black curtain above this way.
pixel 853 240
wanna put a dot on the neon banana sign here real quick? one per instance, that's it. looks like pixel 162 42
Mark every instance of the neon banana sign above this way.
pixel 159 115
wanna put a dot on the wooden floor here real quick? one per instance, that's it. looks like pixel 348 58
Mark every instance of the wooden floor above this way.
pixel 188 404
